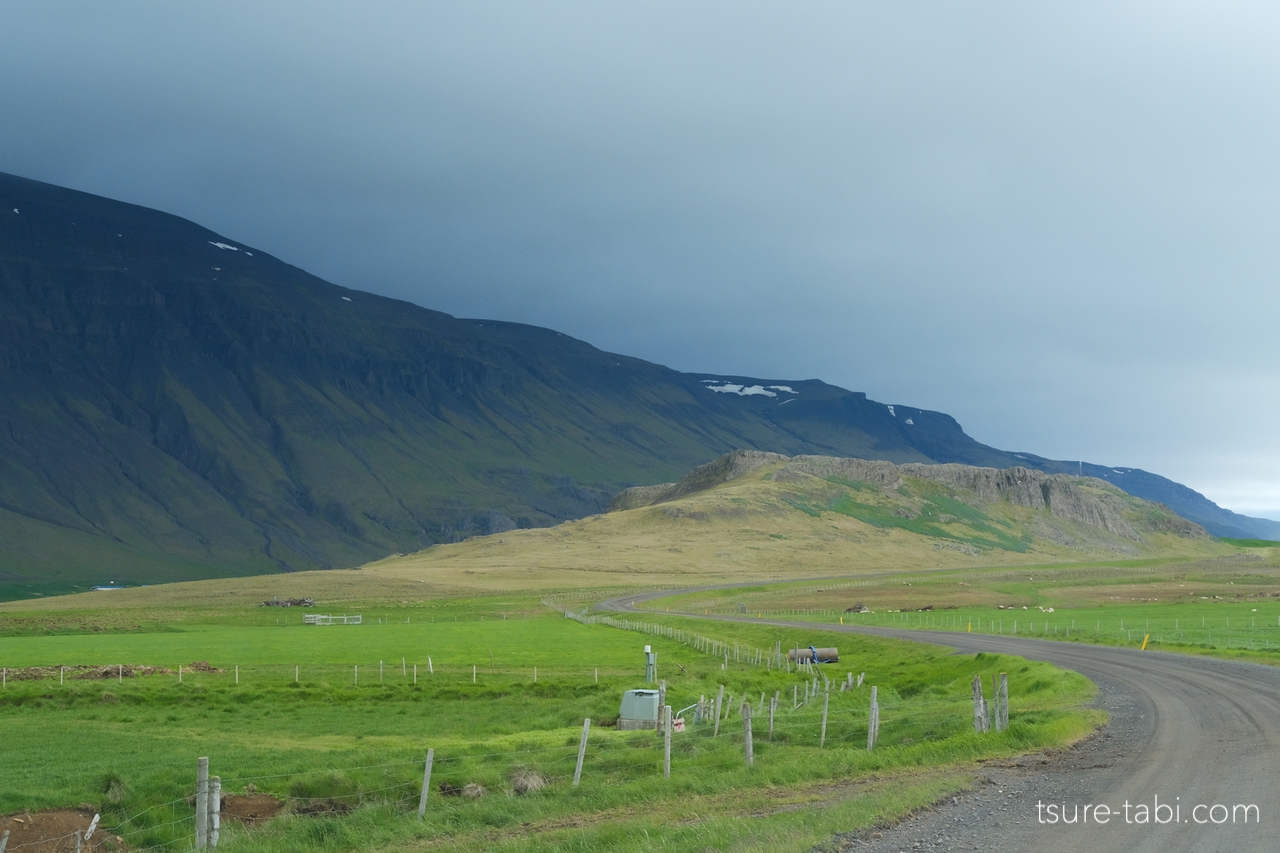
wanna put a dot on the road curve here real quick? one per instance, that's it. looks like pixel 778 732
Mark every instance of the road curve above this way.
pixel 1192 731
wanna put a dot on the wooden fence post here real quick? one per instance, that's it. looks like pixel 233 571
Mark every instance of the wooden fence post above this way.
pixel 719 699
pixel 379 672
pixel 662 697
pixel 795 696
pixel 430 669
pixel 237 673
pixel 426 784
pixel 582 751
pixel 666 743
pixel 747 746
pixel 1002 703
pixel 357 675
pixel 202 803
pixel 215 809
pixel 979 706
pixel 873 721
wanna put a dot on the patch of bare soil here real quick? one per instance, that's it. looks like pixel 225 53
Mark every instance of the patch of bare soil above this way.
pixel 82 672
pixel 250 809
pixel 203 666
pixel 100 673
pixel 321 807
pixel 54 832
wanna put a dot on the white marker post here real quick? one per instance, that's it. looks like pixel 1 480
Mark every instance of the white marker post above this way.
pixel 215 809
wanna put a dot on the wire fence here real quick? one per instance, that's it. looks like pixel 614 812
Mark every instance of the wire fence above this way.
pixel 827 720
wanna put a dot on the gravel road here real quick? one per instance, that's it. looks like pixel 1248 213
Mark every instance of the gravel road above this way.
pixel 1197 733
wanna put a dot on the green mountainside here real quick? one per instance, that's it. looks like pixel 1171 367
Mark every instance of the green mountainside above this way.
pixel 174 404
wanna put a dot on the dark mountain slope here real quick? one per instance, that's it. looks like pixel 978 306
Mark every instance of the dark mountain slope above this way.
pixel 176 404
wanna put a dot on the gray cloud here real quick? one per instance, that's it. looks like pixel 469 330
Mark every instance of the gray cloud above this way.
pixel 1055 223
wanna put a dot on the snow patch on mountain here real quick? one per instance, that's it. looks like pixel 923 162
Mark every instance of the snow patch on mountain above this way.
pixel 741 390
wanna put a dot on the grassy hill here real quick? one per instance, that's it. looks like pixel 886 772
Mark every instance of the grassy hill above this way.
pixel 756 516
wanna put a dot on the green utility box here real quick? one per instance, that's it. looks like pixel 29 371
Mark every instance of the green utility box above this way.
pixel 639 710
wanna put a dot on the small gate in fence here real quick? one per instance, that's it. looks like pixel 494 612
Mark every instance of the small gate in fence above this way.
pixel 322 619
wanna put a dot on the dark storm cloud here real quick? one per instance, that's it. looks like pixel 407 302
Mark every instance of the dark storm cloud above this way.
pixel 1054 222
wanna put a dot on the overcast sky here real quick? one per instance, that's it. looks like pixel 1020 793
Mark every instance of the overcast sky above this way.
pixel 1059 223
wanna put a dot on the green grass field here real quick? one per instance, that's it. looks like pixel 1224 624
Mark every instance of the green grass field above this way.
pixel 1227 607
pixel 354 751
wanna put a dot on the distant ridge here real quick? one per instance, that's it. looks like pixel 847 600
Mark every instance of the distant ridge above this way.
pixel 176 404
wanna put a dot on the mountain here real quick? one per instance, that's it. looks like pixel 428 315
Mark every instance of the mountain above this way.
pixel 176 404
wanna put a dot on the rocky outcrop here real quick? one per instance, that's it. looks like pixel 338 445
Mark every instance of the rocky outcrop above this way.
pixel 1062 495
pixel 1084 500
pixel 722 470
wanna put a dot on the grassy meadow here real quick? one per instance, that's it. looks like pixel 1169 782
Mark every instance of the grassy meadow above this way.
pixel 1228 605
pixel 349 749
pixel 460 652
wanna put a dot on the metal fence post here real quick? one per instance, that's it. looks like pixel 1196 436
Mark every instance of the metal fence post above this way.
pixel 826 702
pixel 426 784
pixel 582 751
pixel 666 744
